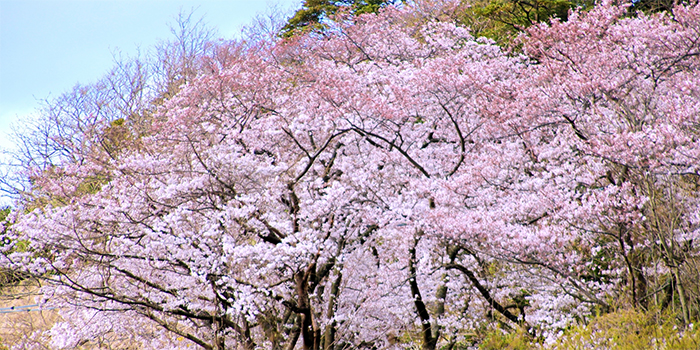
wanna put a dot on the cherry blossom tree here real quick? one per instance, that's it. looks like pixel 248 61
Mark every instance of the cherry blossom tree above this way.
pixel 392 180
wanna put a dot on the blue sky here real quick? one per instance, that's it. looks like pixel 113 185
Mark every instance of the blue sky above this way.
pixel 48 46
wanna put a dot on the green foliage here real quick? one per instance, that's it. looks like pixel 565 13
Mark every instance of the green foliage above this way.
pixel 116 137
pixel 313 12
pixel 518 340
pixel 8 276
pixel 651 6
pixel 502 20
pixel 4 212
pixel 631 330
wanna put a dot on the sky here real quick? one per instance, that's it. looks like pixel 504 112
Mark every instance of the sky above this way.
pixel 48 46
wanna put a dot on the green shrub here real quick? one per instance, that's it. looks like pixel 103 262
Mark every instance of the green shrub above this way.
pixel 518 340
pixel 631 330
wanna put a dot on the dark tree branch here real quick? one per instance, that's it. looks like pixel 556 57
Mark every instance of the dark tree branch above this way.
pixel 485 293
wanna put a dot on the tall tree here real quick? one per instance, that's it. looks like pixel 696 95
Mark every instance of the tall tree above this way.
pixel 312 13
pixel 504 20
pixel 388 184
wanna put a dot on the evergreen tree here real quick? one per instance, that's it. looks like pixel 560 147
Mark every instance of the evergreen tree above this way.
pixel 312 13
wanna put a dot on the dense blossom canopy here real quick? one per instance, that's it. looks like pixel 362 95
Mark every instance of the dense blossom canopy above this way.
pixel 390 181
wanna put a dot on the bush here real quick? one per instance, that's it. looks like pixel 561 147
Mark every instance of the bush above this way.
pixel 519 340
pixel 631 330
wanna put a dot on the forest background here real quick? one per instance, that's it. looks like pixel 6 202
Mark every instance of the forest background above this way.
pixel 374 174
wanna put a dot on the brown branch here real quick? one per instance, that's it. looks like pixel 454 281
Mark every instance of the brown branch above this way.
pixel 392 144
pixel 485 293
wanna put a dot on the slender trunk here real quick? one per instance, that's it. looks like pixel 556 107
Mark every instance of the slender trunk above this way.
pixel 249 344
pixel 641 281
pixel 441 294
pixel 329 334
pixel 681 296
pixel 294 337
pixel 308 325
pixel 429 342
pixel 219 339
pixel 638 283
pixel 440 309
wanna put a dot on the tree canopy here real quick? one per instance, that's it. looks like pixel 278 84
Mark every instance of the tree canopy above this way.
pixel 393 183
pixel 503 20
pixel 313 12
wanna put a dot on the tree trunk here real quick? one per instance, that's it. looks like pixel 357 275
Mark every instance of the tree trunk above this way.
pixel 310 340
pixel 329 334
pixel 681 296
pixel 429 342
